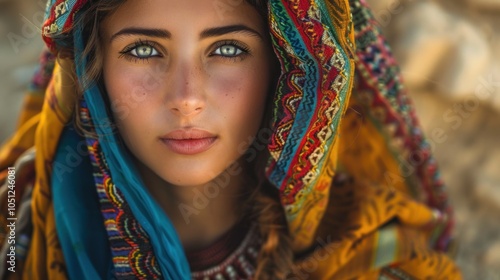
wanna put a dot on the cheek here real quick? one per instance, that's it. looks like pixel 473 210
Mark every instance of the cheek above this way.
pixel 240 88
pixel 240 96
pixel 131 89
pixel 134 94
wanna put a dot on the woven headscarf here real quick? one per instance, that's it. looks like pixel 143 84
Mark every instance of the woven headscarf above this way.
pixel 321 135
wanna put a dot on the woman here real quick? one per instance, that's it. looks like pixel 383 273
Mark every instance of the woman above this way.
pixel 208 145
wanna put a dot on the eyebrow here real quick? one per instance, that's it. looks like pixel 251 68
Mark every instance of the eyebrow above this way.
pixel 238 28
pixel 209 32
pixel 150 32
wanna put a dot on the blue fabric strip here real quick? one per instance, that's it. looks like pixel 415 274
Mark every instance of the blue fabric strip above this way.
pixel 79 222
pixel 386 250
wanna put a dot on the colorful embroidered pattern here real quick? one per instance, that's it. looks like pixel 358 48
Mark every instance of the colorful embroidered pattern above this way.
pixel 310 92
pixel 132 253
pixel 240 264
pixel 59 18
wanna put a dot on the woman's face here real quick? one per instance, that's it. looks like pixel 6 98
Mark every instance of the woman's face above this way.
pixel 187 82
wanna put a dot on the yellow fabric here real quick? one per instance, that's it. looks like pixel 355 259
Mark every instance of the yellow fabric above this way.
pixel 23 138
pixel 360 140
pixel 348 237
pixel 45 259
pixel 377 202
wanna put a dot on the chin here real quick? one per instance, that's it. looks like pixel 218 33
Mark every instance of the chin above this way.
pixel 187 183
pixel 188 179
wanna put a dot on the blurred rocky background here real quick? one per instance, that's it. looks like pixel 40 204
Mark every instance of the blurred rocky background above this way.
pixel 449 51
pixel 450 58
pixel 20 46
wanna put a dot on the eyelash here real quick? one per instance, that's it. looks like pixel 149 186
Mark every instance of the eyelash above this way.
pixel 126 53
pixel 244 49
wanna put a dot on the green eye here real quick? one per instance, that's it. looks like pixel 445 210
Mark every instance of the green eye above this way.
pixel 144 51
pixel 228 50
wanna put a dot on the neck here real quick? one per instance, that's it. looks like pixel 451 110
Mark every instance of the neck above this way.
pixel 202 213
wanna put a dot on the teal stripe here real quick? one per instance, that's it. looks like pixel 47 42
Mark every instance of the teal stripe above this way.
pixel 305 111
pixel 386 251
pixel 312 81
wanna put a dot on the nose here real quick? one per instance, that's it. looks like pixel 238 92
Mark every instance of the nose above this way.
pixel 186 97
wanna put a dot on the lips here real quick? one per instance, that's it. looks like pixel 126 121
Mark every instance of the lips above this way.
pixel 189 141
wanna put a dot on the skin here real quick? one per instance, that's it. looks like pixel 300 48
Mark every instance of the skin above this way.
pixel 217 83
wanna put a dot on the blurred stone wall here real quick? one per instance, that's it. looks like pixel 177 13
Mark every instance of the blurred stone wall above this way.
pixel 446 46
pixel 20 46
pixel 450 59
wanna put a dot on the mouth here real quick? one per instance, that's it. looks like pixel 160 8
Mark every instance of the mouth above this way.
pixel 188 141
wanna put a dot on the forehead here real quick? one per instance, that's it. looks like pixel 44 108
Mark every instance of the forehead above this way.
pixel 179 16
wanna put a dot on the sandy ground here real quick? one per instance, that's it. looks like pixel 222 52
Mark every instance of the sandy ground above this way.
pixel 465 141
